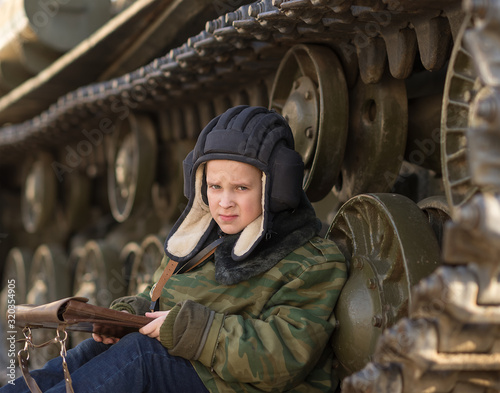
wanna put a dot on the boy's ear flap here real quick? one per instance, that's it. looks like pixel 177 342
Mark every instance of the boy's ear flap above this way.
pixel 286 177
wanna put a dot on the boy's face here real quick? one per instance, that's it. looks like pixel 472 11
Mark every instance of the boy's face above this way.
pixel 234 191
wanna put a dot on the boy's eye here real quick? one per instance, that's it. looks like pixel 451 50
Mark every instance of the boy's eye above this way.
pixel 214 186
pixel 242 188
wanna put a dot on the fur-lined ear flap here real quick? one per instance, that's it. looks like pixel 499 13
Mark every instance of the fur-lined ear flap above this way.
pixel 195 225
pixel 253 233
pixel 248 238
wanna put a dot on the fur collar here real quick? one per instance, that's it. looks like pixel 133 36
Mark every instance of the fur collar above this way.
pixel 288 231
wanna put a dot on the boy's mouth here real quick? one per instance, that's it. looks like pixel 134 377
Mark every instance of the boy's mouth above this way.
pixel 227 217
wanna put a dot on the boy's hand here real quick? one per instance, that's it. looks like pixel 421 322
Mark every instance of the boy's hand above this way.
pixel 104 339
pixel 100 338
pixel 152 329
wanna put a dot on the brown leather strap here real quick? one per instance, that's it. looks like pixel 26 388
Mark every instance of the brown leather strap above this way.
pixel 23 363
pixel 201 260
pixel 200 257
pixel 167 273
pixel 171 266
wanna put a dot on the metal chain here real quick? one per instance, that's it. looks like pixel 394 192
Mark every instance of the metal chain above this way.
pixel 28 343
pixel 23 357
pixel 62 343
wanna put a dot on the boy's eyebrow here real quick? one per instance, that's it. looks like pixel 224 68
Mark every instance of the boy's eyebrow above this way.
pixel 235 183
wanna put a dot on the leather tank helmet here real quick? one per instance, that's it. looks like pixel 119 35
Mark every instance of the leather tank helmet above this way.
pixel 252 135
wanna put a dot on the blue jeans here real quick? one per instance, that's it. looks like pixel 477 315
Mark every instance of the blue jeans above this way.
pixel 136 363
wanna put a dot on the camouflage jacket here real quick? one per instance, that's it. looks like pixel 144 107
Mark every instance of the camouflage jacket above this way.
pixel 263 323
pixel 271 332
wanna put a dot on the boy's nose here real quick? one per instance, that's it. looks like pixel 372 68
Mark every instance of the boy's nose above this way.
pixel 226 201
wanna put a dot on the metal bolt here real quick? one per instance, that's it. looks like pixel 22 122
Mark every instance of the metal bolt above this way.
pixel 371 283
pixel 307 95
pixel 309 132
pixel 358 263
pixel 377 321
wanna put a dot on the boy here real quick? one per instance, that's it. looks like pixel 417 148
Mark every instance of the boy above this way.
pixel 257 314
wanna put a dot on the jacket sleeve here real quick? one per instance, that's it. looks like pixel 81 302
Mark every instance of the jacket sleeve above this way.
pixel 133 304
pixel 186 329
pixel 274 350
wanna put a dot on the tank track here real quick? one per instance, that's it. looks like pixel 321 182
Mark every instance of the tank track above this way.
pixel 248 42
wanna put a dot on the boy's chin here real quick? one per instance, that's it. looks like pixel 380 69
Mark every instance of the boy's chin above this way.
pixel 229 229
